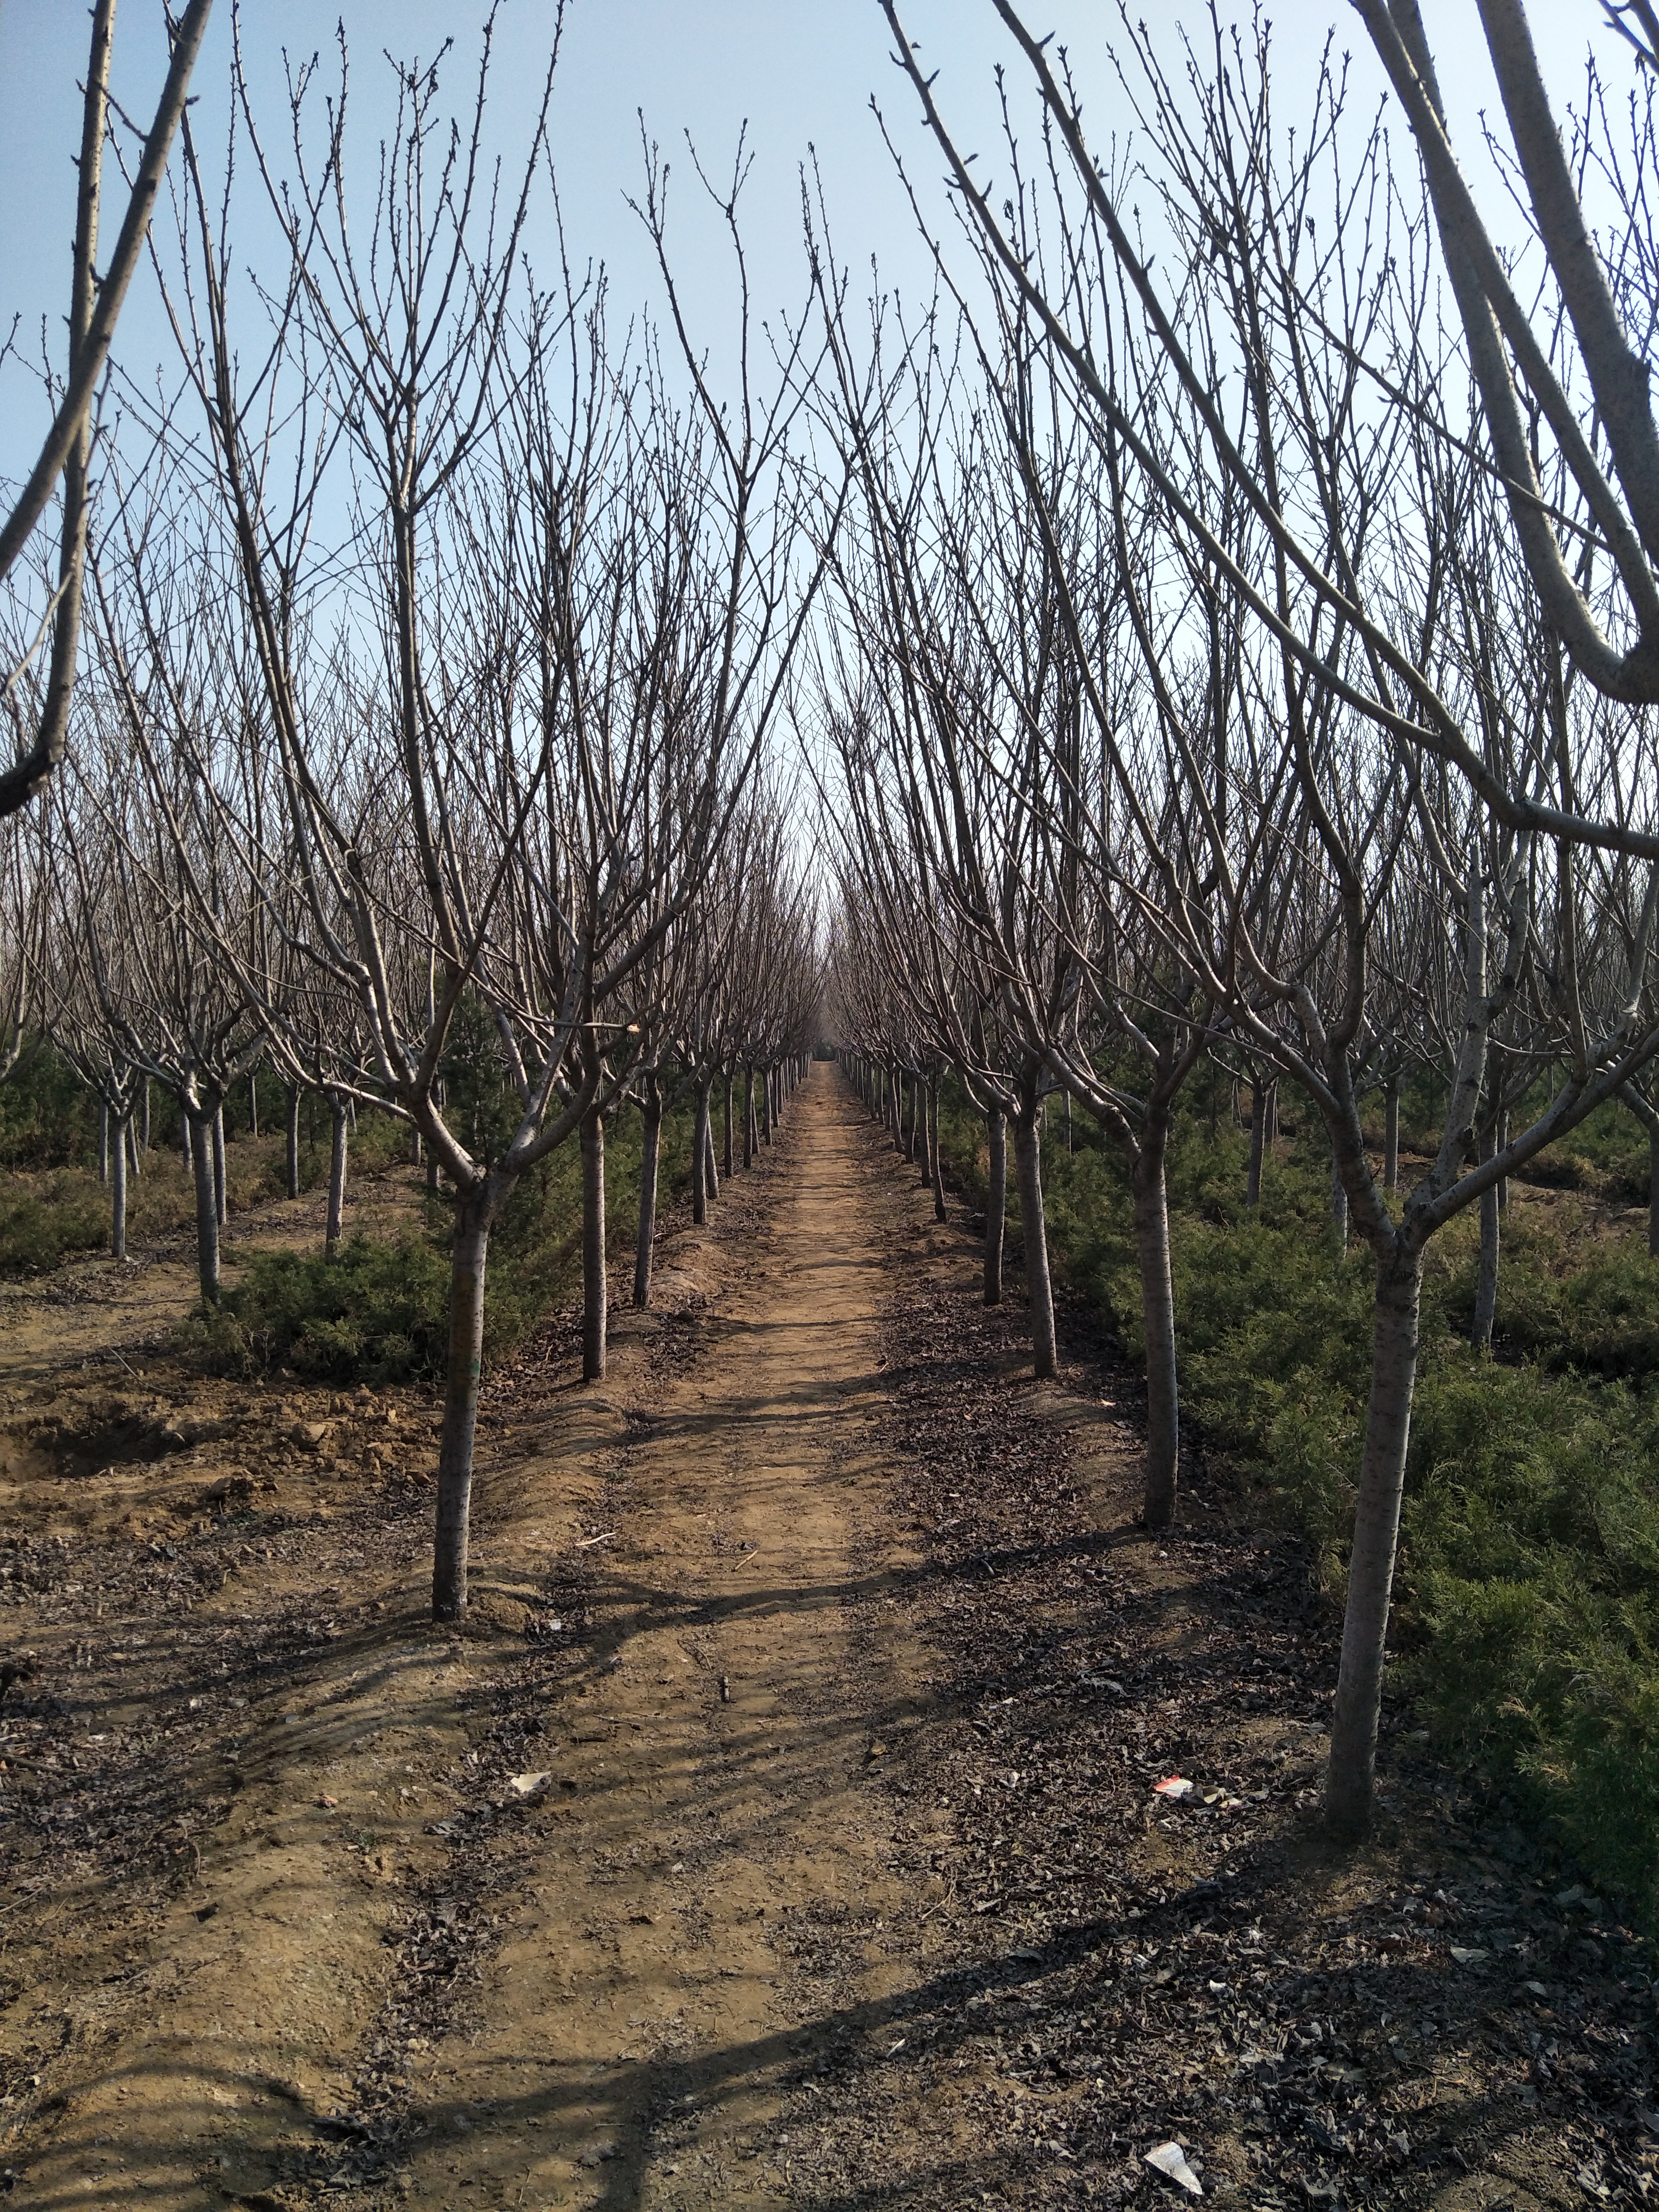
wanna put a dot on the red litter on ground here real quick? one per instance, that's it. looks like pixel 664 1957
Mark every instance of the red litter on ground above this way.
pixel 1173 1785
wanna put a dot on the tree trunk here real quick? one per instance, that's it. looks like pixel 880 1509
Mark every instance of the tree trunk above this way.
pixel 207 1207
pixel 1039 1292
pixel 143 1115
pixel 1391 1138
pixel 292 1147
pixel 1653 1188
pixel 996 1203
pixel 650 1155
pixel 594 1286
pixel 337 1176
pixel 1151 1217
pixel 1339 1207
pixel 135 1157
pixel 118 1194
pixel 1068 1124
pixel 103 1140
pixel 468 1258
pixel 934 1154
pixel 699 1156
pixel 766 1106
pixel 711 1174
pixel 218 1134
pixel 748 1116
pixel 1258 1143
pixel 1486 1281
pixel 1351 1783
pixel 726 1148
pixel 186 1140
pixel 253 1102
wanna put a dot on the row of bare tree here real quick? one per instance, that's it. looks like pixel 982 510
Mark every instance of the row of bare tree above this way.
pixel 434 648
pixel 1230 613
pixel 1237 656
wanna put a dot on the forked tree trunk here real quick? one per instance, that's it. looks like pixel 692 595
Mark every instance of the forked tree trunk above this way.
pixel 292 1146
pixel 469 1257
pixel 1039 1292
pixel 337 1157
pixel 218 1136
pixel 996 1203
pixel 118 1193
pixel 1391 1137
pixel 595 1289
pixel 934 1153
pixel 650 1155
pixel 1151 1218
pixel 207 1206
pixel 1351 1782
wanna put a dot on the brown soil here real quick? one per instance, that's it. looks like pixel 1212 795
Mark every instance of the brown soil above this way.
pixel 780 1830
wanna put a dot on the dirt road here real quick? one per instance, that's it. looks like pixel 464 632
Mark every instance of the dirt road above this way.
pixel 781 1832
pixel 699 1551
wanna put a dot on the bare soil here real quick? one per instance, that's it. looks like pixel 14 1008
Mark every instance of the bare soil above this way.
pixel 780 1831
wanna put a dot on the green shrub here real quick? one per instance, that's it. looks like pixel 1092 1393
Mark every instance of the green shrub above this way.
pixel 376 1312
pixel 44 1218
pixel 1527 1598
pixel 47 1117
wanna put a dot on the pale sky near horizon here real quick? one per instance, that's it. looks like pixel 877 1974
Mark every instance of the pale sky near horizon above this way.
pixel 800 71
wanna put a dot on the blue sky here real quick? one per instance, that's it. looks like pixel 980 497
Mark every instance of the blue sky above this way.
pixel 800 72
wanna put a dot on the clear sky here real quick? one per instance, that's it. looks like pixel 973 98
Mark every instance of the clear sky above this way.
pixel 800 72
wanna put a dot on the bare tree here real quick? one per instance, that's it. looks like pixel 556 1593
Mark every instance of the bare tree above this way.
pixel 1225 404
pixel 96 304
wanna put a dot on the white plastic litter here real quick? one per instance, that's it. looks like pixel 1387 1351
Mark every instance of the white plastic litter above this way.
pixel 1170 2159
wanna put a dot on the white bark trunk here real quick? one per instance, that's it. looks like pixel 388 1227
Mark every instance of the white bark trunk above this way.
pixel 595 1288
pixel 1351 1781
pixel 1039 1292
pixel 996 1205
pixel 1151 1221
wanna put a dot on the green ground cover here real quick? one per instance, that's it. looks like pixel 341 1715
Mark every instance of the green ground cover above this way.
pixel 1527 1620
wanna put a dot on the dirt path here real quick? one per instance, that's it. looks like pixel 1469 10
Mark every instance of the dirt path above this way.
pixel 279 1925
pixel 781 1832
pixel 719 1783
